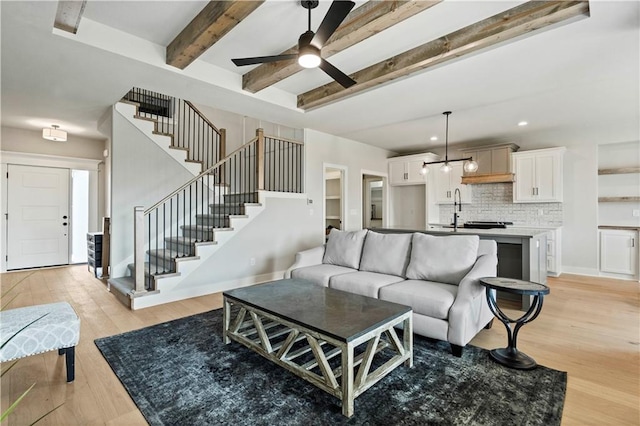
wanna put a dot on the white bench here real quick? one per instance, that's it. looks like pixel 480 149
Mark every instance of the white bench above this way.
pixel 36 329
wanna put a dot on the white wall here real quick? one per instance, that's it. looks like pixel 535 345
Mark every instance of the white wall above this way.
pixel 141 175
pixel 23 140
pixel 272 240
pixel 322 148
pixel 241 129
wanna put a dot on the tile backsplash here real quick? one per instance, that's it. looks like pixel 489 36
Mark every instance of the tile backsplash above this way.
pixel 494 202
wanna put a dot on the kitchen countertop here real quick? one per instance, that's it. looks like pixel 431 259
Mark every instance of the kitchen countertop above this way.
pixel 498 232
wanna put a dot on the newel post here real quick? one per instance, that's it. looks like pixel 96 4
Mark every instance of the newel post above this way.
pixel 138 250
pixel 260 159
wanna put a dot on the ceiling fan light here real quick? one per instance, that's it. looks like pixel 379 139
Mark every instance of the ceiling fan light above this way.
pixel 470 166
pixel 309 60
pixel 53 134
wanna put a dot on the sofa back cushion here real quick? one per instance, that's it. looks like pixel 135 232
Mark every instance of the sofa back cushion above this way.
pixel 386 253
pixel 344 248
pixel 442 259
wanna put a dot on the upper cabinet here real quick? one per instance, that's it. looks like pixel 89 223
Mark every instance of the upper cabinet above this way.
pixel 538 176
pixel 406 170
pixel 447 183
pixel 494 164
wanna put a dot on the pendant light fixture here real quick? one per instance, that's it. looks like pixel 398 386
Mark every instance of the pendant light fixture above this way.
pixel 53 134
pixel 469 166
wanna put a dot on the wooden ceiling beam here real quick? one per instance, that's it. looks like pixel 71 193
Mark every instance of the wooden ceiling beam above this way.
pixel 499 28
pixel 68 15
pixel 213 22
pixel 363 22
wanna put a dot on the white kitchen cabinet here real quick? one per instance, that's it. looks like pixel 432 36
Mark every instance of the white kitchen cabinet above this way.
pixel 446 183
pixel 538 176
pixel 554 252
pixel 406 170
pixel 619 252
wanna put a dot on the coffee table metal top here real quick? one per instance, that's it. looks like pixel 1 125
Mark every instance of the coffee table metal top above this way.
pixel 339 314
pixel 512 285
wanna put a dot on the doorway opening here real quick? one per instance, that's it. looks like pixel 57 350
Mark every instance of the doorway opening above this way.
pixel 334 198
pixel 374 196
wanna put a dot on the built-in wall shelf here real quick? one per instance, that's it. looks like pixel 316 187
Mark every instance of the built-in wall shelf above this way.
pixel 619 171
pixel 332 197
pixel 617 199
pixel 332 217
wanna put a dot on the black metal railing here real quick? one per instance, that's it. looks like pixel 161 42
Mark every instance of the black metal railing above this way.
pixel 170 228
pixel 180 119
pixel 283 164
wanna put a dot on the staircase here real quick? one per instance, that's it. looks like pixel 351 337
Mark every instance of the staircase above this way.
pixel 175 236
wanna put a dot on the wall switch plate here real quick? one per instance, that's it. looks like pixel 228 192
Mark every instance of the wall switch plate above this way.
pixel 636 213
pixel 310 212
pixel 252 261
pixel 309 201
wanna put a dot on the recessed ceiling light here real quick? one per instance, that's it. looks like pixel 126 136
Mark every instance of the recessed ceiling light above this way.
pixel 522 123
pixel 434 138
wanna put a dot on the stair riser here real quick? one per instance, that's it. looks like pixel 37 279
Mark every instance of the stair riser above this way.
pixel 241 198
pixel 182 249
pixel 216 222
pixel 161 265
pixel 226 209
pixel 198 234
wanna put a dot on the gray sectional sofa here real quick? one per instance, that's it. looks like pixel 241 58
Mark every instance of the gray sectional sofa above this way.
pixel 437 276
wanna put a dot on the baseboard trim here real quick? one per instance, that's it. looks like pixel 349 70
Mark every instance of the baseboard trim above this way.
pixel 202 290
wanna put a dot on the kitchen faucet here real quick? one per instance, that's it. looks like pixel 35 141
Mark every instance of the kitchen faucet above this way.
pixel 459 206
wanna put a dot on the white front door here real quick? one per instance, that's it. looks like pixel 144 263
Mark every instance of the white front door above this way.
pixel 38 220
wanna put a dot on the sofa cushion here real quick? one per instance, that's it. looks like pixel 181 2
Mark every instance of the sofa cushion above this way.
pixel 386 253
pixel 429 298
pixel 320 274
pixel 344 248
pixel 442 259
pixel 363 283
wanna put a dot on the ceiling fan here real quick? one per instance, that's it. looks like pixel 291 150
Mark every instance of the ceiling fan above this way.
pixel 310 44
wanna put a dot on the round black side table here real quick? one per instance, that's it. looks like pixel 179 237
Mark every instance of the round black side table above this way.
pixel 510 356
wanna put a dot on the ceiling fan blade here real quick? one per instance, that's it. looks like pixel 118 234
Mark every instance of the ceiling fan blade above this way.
pixel 262 59
pixel 336 74
pixel 332 20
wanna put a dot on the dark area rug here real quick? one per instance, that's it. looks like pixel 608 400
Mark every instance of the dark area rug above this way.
pixel 181 373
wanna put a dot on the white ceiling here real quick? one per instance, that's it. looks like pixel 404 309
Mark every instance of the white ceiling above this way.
pixel 579 80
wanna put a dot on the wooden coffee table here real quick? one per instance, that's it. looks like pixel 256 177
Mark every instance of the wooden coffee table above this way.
pixel 321 334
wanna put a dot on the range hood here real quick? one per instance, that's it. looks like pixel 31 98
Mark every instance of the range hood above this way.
pixel 494 164
pixel 490 178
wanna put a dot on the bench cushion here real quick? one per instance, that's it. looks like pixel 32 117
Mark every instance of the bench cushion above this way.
pixel 58 327
pixel 442 259
pixel 425 297
pixel 344 248
pixel 386 253
pixel 363 283
pixel 320 274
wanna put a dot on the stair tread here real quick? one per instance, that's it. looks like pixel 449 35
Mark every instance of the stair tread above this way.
pixel 204 228
pixel 124 285
pixel 147 270
pixel 142 117
pixel 167 254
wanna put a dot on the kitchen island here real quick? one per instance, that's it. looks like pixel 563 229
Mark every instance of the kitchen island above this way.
pixel 522 252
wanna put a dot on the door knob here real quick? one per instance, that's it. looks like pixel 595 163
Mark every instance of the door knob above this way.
pixel 64 217
pixel 64 223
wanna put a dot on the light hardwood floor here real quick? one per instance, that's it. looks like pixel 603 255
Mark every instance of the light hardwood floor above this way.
pixel 589 327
